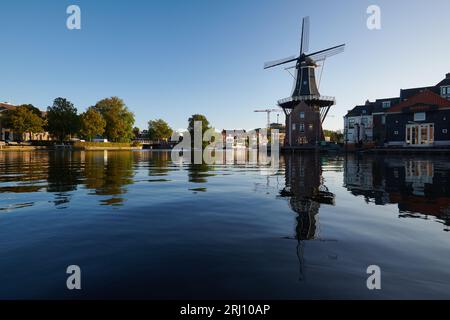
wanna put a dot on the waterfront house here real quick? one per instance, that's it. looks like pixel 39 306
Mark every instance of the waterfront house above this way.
pixel 422 120
pixel 418 117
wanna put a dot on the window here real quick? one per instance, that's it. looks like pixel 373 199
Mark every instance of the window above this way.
pixel 302 115
pixel 364 121
pixel 386 104
pixel 302 127
pixel 444 130
pixel 293 126
pixel 445 91
pixel 396 133
pixel 310 126
pixel 364 111
pixel 383 119
pixel 351 123
pixel 419 116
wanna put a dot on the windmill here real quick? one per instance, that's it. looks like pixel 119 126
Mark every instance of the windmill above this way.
pixel 268 111
pixel 305 92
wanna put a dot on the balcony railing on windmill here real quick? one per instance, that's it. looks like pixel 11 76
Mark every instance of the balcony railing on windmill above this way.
pixel 307 98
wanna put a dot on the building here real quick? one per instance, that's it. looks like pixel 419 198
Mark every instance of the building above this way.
pixel 418 117
pixel 5 132
pixel 8 134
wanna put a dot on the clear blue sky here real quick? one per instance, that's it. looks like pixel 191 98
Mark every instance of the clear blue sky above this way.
pixel 170 59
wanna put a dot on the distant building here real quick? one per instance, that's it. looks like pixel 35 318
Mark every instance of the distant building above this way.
pixel 8 134
pixel 234 138
pixel 418 117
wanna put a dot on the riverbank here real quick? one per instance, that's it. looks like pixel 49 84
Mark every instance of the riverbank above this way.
pixel 78 146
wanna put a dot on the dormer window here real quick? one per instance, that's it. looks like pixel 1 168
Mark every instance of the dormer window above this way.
pixel 386 104
pixel 364 111
pixel 445 91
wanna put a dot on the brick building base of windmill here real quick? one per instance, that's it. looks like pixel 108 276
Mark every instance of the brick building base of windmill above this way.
pixel 304 118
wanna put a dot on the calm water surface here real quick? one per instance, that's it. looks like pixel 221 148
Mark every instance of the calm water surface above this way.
pixel 140 226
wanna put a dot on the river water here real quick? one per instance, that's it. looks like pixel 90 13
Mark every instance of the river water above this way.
pixel 141 226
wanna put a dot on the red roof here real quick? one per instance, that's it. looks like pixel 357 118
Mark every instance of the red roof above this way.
pixel 425 98
pixel 7 106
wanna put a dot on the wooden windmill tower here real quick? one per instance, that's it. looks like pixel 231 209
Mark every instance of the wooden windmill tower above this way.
pixel 305 109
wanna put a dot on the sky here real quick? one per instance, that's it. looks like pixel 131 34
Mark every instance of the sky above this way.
pixel 170 59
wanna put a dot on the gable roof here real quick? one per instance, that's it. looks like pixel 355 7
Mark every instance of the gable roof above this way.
pixel 408 93
pixel 361 110
pixel 445 82
pixel 424 98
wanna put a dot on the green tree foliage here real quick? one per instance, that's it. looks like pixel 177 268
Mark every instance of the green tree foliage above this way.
pixel 26 120
pixel 205 126
pixel 92 123
pixel 119 120
pixel 159 130
pixel 62 119
pixel 136 132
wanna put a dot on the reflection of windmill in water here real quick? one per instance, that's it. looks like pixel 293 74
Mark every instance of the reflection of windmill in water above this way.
pixel 306 192
pixel 305 109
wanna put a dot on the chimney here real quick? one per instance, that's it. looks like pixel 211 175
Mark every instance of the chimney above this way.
pixel 447 76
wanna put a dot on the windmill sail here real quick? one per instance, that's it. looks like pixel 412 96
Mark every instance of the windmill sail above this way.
pixel 275 63
pixel 304 46
pixel 322 54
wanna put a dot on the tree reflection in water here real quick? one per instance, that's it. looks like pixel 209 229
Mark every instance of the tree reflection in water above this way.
pixel 107 173
pixel 64 175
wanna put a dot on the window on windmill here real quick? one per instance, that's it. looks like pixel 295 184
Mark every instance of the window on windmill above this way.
pixel 302 127
pixel 419 116
pixel 386 104
pixel 302 115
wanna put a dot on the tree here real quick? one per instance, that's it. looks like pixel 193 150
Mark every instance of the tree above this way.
pixel 159 130
pixel 62 119
pixel 136 132
pixel 119 120
pixel 205 126
pixel 92 123
pixel 25 120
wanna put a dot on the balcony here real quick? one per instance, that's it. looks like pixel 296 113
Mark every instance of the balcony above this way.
pixel 322 101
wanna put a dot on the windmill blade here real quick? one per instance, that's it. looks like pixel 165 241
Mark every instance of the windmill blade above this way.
pixel 323 54
pixel 275 63
pixel 304 47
